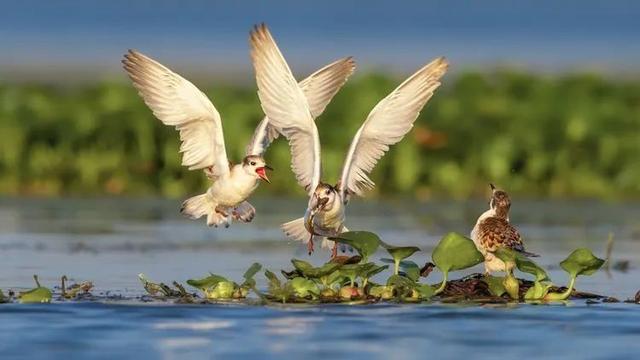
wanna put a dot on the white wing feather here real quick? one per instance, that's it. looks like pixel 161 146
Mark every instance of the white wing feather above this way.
pixel 177 102
pixel 319 88
pixel 286 106
pixel 386 125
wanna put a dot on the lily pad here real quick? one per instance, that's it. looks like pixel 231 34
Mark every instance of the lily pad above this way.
pixel 366 243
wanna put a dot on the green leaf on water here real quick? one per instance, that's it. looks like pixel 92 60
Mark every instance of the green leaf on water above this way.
pixel 522 262
pixel 366 243
pixel 537 291
pixel 411 269
pixel 273 279
pixel 425 291
pixel 581 262
pixel 252 271
pixel 456 252
pixel 301 265
pixel 527 265
pixel 495 284
pixel 399 253
pixel 3 299
pixel 308 271
pixel 206 283
pixel 35 296
pixel 303 287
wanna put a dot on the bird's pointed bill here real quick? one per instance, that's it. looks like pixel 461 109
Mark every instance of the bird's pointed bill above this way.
pixel 262 173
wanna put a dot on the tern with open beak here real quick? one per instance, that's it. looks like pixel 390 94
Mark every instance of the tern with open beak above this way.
pixel 177 102
pixel 493 231
pixel 284 103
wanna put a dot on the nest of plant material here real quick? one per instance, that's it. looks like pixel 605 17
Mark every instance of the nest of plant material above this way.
pixel 475 288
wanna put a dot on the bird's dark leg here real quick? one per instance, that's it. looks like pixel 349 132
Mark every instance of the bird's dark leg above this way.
pixel 334 251
pixel 310 244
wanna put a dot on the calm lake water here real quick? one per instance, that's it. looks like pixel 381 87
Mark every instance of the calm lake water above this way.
pixel 110 241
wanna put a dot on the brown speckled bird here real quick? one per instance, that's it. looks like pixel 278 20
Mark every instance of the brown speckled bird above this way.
pixel 493 231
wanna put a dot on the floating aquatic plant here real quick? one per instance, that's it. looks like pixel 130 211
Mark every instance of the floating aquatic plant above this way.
pixel 366 243
pixel 579 262
pixel 39 294
pixel 399 253
pixel 454 252
pixel 217 287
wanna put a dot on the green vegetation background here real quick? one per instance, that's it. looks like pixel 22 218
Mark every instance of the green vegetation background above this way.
pixel 574 135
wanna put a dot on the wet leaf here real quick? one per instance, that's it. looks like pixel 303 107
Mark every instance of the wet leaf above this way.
pixel 35 296
pixel 495 284
pixel 456 252
pixel 303 287
pixel 425 291
pixel 371 270
pixel 522 262
pixel 537 291
pixel 384 292
pixel 366 243
pixel 512 286
pixel 274 282
pixel 206 283
pixel 411 270
pixel 221 290
pixel 399 253
pixel 307 270
pixel 581 262
pixel 252 271
pixel 301 265
pixel 527 265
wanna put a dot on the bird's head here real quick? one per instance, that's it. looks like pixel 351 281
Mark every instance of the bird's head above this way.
pixel 323 197
pixel 500 202
pixel 256 166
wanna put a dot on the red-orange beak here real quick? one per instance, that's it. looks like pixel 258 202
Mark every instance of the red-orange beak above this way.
pixel 262 173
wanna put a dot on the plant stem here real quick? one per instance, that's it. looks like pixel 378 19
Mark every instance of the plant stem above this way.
pixel 396 266
pixel 564 295
pixel 445 276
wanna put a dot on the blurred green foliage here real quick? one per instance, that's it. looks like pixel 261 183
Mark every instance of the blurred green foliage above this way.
pixel 575 135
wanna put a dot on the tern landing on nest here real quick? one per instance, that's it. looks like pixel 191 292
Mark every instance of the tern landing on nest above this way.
pixel 284 103
pixel 179 103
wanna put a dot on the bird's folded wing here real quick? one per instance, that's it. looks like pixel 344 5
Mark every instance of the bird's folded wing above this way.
pixel 286 106
pixel 386 125
pixel 177 102
pixel 319 88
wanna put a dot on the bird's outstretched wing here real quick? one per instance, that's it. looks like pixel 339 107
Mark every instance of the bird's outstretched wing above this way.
pixel 286 106
pixel 386 125
pixel 177 102
pixel 319 88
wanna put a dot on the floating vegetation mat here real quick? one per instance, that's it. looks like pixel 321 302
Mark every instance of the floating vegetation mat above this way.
pixel 349 280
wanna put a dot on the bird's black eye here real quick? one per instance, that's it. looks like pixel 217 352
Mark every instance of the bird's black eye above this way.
pixel 253 163
pixel 328 192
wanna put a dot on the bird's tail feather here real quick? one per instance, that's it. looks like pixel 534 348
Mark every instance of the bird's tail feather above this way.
pixel 201 205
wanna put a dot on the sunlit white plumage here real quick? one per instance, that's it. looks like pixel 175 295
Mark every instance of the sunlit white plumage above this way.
pixel 283 102
pixel 177 102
